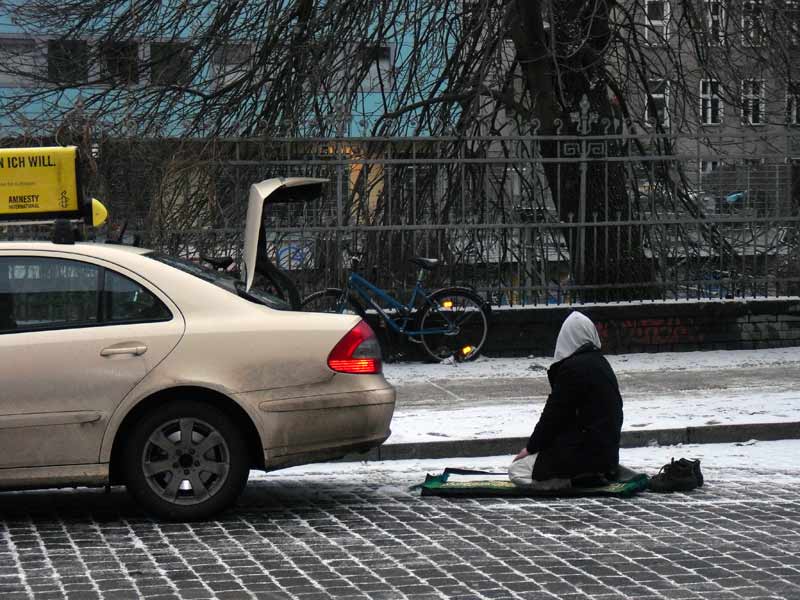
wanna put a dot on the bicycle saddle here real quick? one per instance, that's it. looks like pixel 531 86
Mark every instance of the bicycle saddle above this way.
pixel 425 263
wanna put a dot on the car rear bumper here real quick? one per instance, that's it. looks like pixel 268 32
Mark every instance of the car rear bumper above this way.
pixel 322 454
pixel 323 427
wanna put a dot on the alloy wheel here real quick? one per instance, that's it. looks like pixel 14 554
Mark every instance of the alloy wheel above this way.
pixel 186 461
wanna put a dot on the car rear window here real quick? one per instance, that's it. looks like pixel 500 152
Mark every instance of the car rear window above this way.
pixel 221 279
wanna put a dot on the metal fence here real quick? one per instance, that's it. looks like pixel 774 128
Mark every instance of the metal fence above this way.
pixel 564 218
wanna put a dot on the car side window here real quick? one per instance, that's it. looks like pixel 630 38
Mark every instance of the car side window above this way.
pixel 47 293
pixel 38 293
pixel 125 301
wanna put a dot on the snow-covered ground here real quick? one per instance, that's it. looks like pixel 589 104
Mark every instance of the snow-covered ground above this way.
pixel 742 387
pixel 775 462
pixel 664 412
pixel 483 367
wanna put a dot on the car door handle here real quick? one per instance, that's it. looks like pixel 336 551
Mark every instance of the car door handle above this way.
pixel 136 350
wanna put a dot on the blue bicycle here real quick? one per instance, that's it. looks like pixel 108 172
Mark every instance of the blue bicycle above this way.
pixel 451 322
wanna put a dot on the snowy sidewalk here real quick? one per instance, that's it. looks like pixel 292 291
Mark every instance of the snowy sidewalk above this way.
pixel 767 462
pixel 502 398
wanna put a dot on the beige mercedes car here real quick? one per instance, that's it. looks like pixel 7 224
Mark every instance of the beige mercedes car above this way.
pixel 120 365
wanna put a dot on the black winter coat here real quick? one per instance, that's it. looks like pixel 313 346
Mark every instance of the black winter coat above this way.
pixel 578 431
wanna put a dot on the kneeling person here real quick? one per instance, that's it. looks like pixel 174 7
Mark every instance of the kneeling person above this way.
pixel 577 436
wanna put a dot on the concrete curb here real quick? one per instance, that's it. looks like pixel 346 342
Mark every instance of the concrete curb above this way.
pixel 707 434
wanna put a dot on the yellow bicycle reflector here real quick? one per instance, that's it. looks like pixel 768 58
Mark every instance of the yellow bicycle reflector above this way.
pixel 466 350
pixel 447 304
pixel 99 213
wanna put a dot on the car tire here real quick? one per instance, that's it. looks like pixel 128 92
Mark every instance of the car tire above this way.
pixel 182 480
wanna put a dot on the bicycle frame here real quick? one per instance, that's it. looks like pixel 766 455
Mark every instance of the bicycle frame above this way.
pixel 367 291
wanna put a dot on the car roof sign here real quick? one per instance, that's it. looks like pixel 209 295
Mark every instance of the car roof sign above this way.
pixel 38 184
pixel 99 213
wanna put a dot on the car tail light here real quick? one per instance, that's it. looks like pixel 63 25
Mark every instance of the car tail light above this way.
pixel 357 352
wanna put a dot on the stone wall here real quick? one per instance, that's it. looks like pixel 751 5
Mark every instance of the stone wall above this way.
pixel 643 327
pixel 656 327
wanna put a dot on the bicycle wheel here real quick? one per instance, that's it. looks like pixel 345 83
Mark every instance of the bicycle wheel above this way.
pixel 465 317
pixel 329 301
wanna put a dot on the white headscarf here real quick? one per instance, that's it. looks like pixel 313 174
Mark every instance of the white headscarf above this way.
pixel 576 331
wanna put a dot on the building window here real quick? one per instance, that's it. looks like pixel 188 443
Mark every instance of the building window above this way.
pixel 793 105
pixel 753 101
pixel 715 21
pixel 793 22
pixel 377 62
pixel 657 107
pixel 657 30
pixel 170 63
pixel 230 63
pixel 707 166
pixel 752 24
pixel 67 61
pixel 119 62
pixel 710 103
pixel 23 62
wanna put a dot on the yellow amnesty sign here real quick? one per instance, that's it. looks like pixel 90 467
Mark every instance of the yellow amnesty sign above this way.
pixel 38 182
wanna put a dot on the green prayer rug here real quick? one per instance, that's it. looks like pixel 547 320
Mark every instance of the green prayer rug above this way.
pixel 481 484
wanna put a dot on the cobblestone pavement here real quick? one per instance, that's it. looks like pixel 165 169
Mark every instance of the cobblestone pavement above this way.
pixel 315 537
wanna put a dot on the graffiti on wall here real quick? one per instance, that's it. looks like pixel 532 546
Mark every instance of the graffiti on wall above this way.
pixel 649 332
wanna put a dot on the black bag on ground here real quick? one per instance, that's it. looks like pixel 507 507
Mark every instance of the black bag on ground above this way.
pixel 680 475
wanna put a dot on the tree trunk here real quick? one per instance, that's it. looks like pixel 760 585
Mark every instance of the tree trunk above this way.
pixel 563 71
